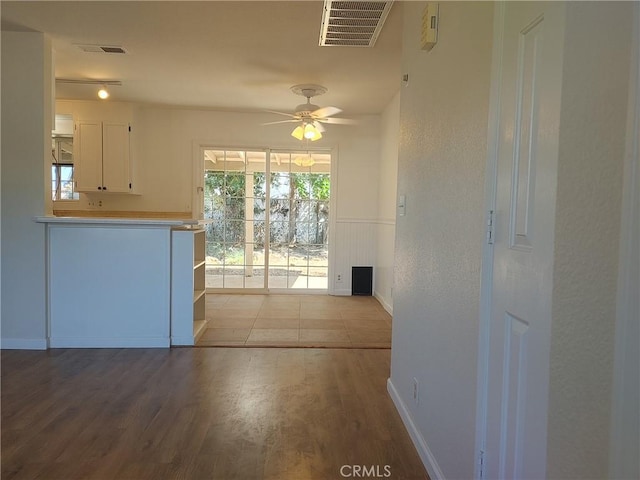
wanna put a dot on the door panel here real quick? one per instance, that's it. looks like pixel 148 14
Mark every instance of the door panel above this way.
pixel 525 123
pixel 520 323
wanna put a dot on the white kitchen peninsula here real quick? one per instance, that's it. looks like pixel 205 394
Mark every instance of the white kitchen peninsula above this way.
pixel 109 281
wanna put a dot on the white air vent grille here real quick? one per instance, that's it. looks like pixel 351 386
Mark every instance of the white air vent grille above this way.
pixel 352 24
pixel 101 48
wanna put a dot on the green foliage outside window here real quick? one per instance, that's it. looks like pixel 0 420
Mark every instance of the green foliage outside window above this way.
pixel 301 211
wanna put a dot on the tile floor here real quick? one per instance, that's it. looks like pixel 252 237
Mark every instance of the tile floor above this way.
pixel 295 321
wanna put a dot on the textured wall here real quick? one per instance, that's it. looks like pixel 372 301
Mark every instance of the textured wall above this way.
pixel 590 165
pixel 442 155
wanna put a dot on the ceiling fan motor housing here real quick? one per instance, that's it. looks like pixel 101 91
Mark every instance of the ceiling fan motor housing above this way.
pixel 305 109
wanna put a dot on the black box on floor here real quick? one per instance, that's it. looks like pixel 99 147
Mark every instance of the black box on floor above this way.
pixel 362 281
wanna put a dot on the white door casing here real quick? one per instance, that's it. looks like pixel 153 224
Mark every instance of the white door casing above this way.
pixel 515 333
pixel 625 427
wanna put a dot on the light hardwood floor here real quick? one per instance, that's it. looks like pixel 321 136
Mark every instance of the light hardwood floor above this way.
pixel 200 413
pixel 296 321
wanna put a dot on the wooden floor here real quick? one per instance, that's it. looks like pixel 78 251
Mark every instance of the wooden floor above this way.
pixel 296 321
pixel 200 413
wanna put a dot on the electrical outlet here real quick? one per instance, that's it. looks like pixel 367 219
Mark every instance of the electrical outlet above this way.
pixel 339 278
pixel 416 391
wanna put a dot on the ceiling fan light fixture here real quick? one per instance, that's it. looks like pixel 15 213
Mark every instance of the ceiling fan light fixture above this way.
pixel 311 132
pixel 307 131
pixel 298 132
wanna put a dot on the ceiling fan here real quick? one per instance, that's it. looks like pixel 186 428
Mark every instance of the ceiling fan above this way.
pixel 309 116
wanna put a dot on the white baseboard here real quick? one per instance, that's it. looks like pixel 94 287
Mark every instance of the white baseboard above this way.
pixel 23 344
pixel 345 292
pixel 384 303
pixel 428 460
pixel 106 342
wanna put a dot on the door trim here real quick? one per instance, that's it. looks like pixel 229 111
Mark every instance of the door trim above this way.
pixel 486 278
pixel 623 460
pixel 197 208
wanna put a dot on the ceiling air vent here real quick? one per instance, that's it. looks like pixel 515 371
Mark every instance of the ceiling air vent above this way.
pixel 352 24
pixel 101 48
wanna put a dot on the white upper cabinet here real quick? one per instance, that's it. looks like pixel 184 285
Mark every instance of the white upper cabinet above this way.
pixel 103 144
pixel 115 157
pixel 103 157
pixel 88 161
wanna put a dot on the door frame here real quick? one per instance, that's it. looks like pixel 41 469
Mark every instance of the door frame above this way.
pixel 197 204
pixel 486 277
pixel 623 460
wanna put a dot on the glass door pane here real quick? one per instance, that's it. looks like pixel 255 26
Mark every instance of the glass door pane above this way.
pixel 234 197
pixel 299 220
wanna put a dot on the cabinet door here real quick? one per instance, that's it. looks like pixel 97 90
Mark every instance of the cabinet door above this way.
pixel 115 157
pixel 88 158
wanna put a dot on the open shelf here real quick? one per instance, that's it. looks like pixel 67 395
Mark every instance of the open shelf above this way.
pixel 188 304
pixel 199 327
pixel 197 294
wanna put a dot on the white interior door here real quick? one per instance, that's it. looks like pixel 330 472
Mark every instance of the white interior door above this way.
pixel 528 102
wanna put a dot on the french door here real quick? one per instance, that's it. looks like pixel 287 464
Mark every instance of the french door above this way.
pixel 268 219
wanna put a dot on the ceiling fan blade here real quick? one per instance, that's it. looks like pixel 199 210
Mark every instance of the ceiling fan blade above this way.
pixel 319 126
pixel 293 120
pixel 337 121
pixel 325 112
pixel 281 113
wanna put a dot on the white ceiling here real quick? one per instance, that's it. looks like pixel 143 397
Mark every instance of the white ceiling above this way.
pixel 233 55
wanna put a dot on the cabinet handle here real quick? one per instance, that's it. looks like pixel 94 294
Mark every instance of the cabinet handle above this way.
pixel 99 188
pixel 104 188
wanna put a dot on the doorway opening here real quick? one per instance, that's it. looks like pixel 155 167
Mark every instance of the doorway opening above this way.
pixel 268 221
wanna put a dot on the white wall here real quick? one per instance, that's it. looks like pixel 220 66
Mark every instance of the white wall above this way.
pixel 587 231
pixel 167 140
pixel 26 185
pixel 386 228
pixel 442 154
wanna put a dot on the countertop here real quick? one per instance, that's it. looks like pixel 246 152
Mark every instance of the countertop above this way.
pixel 117 221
